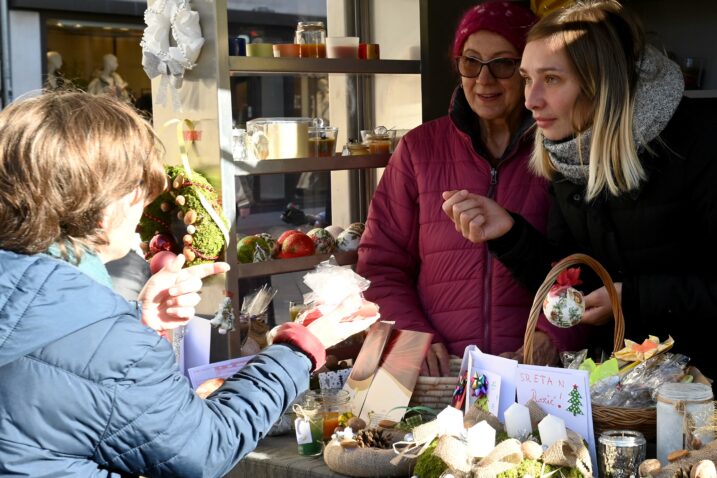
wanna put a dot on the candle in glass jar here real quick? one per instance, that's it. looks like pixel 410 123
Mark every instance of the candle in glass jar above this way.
pixel 341 52
pixel 379 146
pixel 620 453
pixel 312 50
pixel 677 404
pixel 342 47
pixel 309 436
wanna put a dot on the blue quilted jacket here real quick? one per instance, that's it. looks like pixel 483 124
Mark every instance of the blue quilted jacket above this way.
pixel 87 391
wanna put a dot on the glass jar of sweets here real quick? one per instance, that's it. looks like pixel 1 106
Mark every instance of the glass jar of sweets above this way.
pixel 335 408
pixel 312 38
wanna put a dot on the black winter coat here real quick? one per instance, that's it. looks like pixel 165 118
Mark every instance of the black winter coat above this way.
pixel 660 241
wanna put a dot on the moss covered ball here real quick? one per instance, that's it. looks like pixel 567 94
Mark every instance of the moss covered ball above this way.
pixel 178 212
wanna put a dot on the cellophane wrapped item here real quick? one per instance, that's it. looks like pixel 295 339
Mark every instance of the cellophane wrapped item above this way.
pixel 336 304
pixel 638 387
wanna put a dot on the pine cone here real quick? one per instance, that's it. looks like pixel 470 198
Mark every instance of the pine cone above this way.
pixel 372 438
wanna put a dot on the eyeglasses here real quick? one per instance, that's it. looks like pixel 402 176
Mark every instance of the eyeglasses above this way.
pixel 500 68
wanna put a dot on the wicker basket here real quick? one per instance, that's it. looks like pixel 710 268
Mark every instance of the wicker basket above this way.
pixel 643 420
pixel 436 392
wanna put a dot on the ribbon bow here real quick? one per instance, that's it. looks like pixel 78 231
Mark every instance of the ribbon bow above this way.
pixel 175 18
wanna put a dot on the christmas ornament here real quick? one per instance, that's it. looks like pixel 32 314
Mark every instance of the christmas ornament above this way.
pixel 564 305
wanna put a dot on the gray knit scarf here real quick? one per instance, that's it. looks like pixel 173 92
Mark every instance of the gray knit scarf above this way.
pixel 659 90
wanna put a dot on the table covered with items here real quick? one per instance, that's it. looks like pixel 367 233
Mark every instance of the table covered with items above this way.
pixel 371 414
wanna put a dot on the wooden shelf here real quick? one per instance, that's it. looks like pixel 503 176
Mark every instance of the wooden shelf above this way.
pixel 283 266
pixel 240 65
pixel 701 93
pixel 300 165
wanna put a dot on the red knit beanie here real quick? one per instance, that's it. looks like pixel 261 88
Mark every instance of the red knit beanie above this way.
pixel 506 18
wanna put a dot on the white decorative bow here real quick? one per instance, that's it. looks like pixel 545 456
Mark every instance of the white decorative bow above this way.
pixel 170 20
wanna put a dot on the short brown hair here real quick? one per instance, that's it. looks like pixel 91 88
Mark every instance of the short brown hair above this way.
pixel 64 158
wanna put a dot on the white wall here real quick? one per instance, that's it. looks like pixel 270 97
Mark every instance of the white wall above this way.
pixel 25 52
pixel 397 102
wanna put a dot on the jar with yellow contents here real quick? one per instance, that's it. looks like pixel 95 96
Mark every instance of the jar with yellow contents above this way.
pixel 335 408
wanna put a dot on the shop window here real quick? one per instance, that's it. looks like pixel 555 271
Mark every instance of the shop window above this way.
pixel 98 57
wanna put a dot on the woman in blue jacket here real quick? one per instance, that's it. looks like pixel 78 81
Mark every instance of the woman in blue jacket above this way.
pixel 89 388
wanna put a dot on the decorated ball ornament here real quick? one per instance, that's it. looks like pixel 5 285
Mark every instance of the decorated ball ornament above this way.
pixel 178 214
pixel 542 8
pixel 358 227
pixel 334 230
pixel 270 241
pixel 253 249
pixel 564 305
pixel 323 240
pixel 348 240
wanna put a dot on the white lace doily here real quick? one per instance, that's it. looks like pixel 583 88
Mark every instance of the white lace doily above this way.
pixel 170 44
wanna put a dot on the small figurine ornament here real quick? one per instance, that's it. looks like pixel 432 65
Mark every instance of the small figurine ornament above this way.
pixel 564 305
pixel 224 318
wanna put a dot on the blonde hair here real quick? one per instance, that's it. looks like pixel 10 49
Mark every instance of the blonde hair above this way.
pixel 604 44
pixel 65 158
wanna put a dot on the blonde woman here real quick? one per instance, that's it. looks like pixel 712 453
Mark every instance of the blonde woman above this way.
pixel 633 169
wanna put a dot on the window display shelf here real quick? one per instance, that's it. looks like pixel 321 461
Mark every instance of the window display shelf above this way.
pixel 283 266
pixel 300 165
pixel 701 93
pixel 239 65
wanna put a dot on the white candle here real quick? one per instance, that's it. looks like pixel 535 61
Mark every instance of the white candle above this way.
pixel 551 429
pixel 450 422
pixel 517 421
pixel 481 439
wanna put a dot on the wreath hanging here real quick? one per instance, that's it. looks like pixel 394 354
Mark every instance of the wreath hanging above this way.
pixel 170 44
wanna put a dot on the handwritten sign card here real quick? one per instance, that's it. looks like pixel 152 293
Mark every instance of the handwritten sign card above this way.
pixel 564 393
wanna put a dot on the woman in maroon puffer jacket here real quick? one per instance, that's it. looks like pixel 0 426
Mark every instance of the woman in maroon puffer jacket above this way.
pixel 423 275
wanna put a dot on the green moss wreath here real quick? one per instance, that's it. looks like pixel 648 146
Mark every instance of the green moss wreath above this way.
pixel 179 214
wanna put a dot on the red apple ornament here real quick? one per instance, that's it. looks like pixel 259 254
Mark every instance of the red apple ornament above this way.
pixel 161 242
pixel 297 245
pixel 160 259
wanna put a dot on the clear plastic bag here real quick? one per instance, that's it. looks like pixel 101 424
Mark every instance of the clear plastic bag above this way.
pixel 637 388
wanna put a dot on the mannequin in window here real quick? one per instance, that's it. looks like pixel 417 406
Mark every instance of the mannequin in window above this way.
pixel 108 81
pixel 55 79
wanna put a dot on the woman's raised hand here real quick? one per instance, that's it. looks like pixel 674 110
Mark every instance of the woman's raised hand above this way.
pixel 477 218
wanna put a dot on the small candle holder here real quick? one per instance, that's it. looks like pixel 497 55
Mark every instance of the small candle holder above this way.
pixel 620 453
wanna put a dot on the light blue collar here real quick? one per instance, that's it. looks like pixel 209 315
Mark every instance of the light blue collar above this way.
pixel 90 265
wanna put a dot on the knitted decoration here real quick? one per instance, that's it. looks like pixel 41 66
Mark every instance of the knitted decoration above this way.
pixel 178 222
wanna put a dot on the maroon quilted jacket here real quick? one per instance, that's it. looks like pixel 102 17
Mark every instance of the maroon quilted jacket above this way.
pixel 424 275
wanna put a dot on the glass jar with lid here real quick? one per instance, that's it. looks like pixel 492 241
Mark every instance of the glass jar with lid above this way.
pixel 379 140
pixel 684 411
pixel 312 38
pixel 335 408
pixel 278 138
pixel 309 425
pixel 355 148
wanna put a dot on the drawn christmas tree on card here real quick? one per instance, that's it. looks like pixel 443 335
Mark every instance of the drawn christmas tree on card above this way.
pixel 575 401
